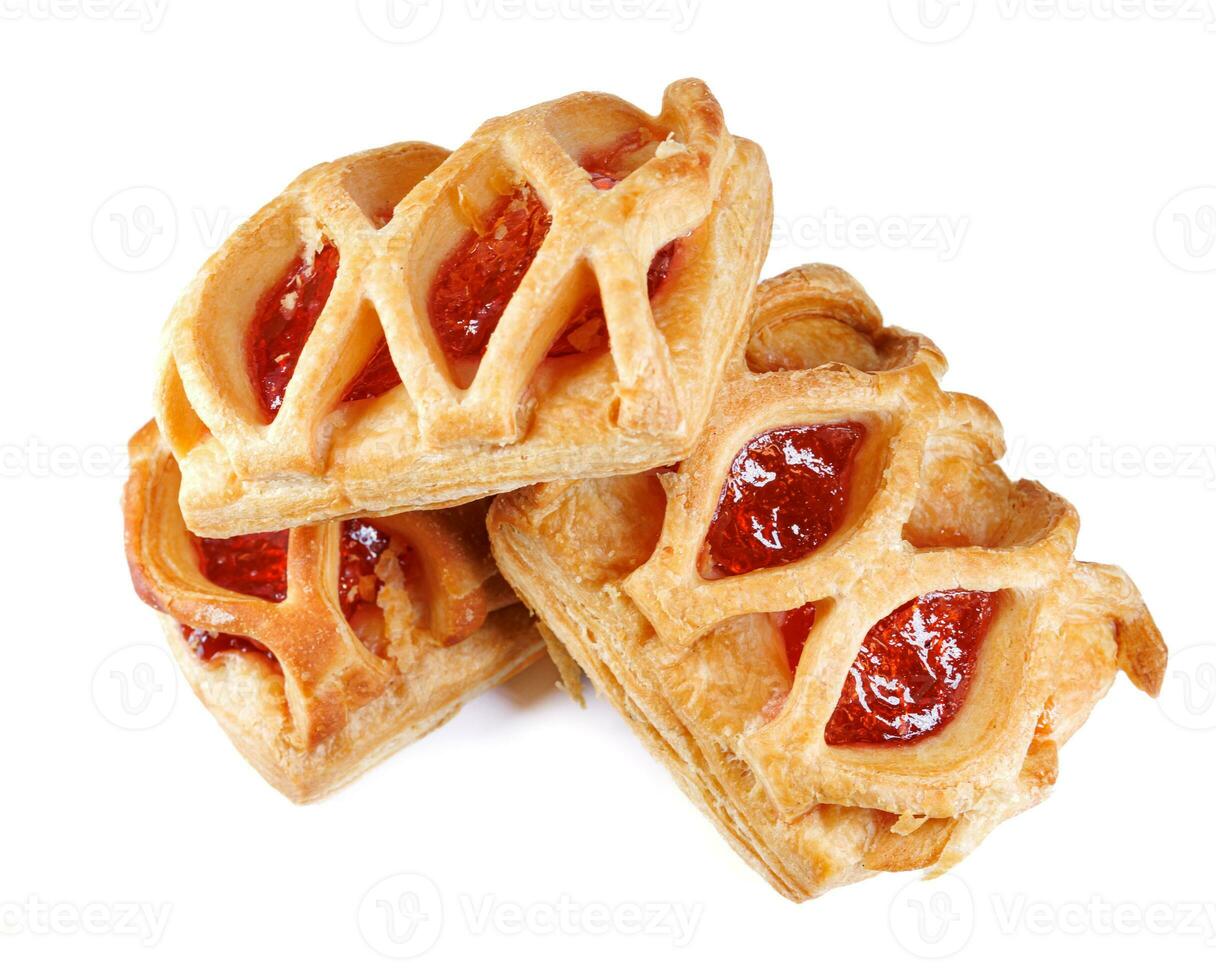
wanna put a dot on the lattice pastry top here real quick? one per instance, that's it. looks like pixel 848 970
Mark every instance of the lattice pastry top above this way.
pixel 855 641
pixel 831 495
pixel 322 648
pixel 397 330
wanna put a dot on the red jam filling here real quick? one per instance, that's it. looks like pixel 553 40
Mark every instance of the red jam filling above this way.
pixel 914 669
pixel 785 495
pixel 379 375
pixel 795 627
pixel 256 565
pixel 477 280
pixel 362 546
pixel 284 318
pixel 251 564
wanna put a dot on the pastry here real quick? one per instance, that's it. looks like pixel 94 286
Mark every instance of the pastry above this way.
pixel 399 330
pixel 854 641
pixel 323 650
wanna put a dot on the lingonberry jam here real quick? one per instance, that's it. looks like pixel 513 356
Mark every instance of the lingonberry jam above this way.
pixel 914 669
pixel 785 495
pixel 256 565
pixel 282 321
pixel 477 280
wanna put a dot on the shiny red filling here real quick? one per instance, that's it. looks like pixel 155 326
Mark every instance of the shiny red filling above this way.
pixel 796 626
pixel 914 669
pixel 379 375
pixel 785 495
pixel 251 564
pixel 477 280
pixel 361 547
pixel 282 321
pixel 256 565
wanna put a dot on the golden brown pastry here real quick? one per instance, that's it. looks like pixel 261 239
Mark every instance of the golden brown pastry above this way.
pixel 557 298
pixel 854 641
pixel 323 650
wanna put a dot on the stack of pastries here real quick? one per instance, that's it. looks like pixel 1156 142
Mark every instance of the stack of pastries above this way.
pixel 428 415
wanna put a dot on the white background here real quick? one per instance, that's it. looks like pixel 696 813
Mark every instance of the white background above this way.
pixel 1078 301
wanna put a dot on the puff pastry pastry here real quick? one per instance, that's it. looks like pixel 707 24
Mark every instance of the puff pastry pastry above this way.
pixel 557 298
pixel 854 641
pixel 323 650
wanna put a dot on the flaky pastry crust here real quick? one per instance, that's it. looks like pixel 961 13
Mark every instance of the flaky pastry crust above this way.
pixel 698 666
pixel 329 707
pixel 430 442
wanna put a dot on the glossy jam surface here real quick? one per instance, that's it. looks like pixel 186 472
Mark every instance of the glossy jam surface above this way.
pixel 284 318
pixel 785 495
pixel 251 564
pixel 477 280
pixel 207 645
pixel 362 546
pixel 914 669
pixel 796 626
pixel 256 565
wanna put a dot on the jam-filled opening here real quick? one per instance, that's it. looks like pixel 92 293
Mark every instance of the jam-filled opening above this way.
pixel 609 164
pixel 475 282
pixel 914 670
pixel 256 565
pixel 477 278
pixel 787 492
pixel 360 579
pixel 282 322
pixel 378 374
pixel 795 626
pixel 250 564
